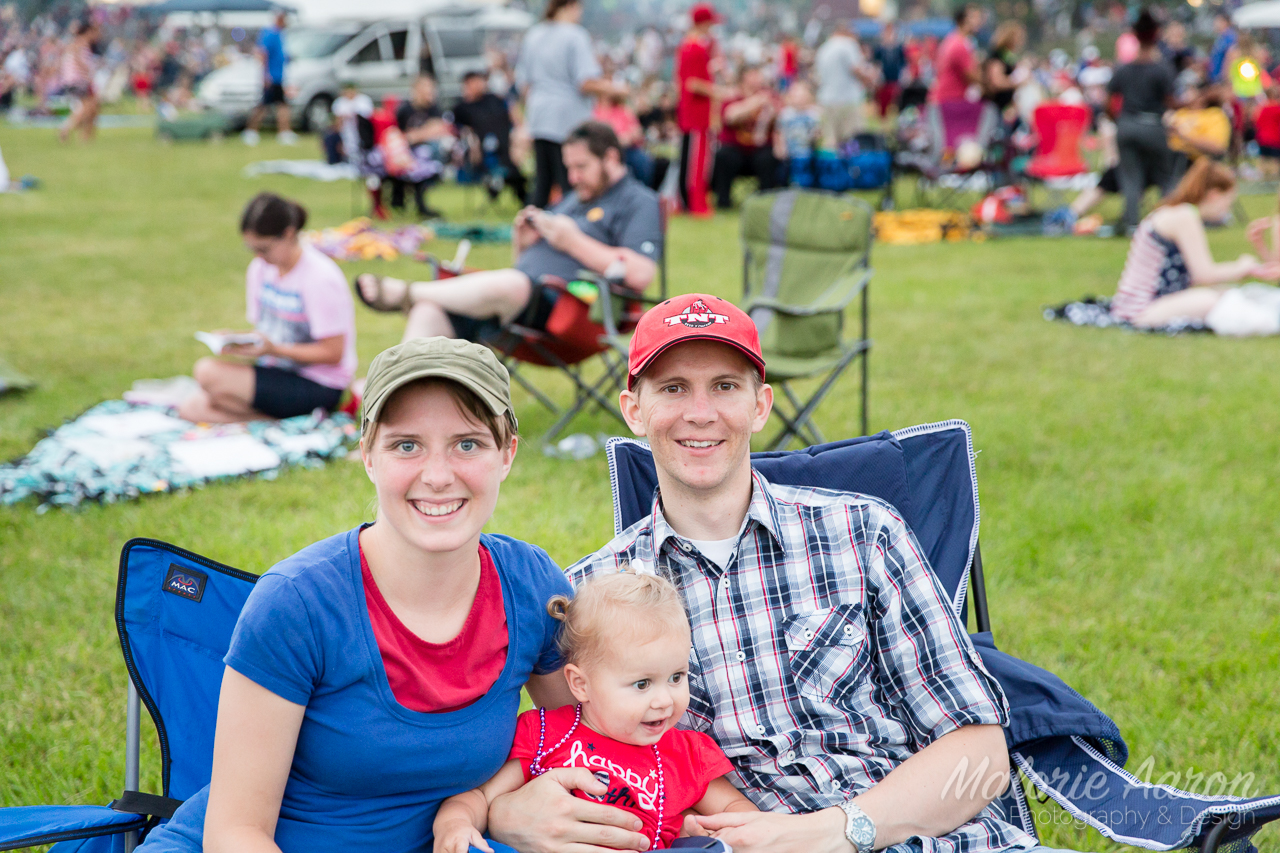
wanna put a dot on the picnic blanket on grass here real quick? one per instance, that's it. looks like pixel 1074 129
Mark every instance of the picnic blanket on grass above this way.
pixel 1096 311
pixel 316 170
pixel 119 450
pixel 476 232
pixel 361 240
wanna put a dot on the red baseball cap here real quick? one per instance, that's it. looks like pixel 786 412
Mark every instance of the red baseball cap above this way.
pixel 692 317
pixel 701 13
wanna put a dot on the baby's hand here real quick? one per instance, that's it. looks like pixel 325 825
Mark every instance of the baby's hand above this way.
pixel 457 836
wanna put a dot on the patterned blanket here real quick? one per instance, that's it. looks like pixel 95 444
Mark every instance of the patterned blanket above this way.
pixel 1096 311
pixel 119 450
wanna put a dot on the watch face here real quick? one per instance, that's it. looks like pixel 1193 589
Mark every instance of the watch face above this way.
pixel 863 831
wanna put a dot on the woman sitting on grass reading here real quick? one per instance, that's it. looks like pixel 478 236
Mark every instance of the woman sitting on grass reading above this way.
pixel 1170 273
pixel 376 673
pixel 297 299
pixel 626 648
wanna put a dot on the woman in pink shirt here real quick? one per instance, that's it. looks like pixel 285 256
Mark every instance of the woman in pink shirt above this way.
pixel 304 317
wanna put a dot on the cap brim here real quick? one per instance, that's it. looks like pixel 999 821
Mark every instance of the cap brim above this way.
pixel 496 406
pixel 754 358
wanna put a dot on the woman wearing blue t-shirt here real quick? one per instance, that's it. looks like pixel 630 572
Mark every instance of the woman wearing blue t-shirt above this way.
pixel 378 672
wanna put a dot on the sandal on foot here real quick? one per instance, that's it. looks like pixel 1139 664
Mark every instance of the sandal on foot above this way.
pixel 379 301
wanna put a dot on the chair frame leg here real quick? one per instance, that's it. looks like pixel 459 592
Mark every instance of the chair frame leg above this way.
pixel 1214 839
pixel 132 744
pixel 866 352
pixel 796 425
pixel 585 391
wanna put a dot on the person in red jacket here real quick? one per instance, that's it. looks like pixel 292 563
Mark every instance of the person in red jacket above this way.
pixel 696 86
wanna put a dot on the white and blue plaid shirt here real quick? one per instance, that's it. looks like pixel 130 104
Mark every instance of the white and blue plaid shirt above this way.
pixel 825 655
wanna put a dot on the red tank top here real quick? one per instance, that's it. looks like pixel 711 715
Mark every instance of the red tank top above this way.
pixel 438 677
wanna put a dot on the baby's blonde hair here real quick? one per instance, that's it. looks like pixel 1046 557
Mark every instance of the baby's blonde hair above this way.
pixel 616 607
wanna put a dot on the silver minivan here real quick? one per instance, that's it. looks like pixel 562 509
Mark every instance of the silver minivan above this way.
pixel 382 57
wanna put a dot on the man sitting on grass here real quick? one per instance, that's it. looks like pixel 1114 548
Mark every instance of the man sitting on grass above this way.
pixel 827 662
pixel 609 216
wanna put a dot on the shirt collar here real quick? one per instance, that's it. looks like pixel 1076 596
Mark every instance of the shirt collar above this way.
pixel 763 510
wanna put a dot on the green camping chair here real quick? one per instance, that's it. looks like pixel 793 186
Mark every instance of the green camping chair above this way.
pixel 806 256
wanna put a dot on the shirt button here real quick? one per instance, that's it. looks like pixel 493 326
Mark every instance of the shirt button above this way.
pixel 808 635
pixel 789 757
pixel 848 629
pixel 759 730
pixel 740 655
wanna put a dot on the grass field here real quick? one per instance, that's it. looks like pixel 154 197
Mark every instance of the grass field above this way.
pixel 1130 509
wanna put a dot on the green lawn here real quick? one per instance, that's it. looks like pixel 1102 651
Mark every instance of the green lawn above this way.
pixel 1128 481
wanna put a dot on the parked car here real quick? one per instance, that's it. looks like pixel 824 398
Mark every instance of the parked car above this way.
pixel 382 57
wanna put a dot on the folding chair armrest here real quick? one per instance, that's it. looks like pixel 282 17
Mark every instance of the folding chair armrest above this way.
pixel 836 297
pixel 29 826
pixel 612 289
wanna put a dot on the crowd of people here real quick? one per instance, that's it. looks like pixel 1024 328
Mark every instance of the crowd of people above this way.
pixel 715 103
pixel 75 63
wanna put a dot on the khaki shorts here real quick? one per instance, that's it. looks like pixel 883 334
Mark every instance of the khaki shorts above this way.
pixel 840 123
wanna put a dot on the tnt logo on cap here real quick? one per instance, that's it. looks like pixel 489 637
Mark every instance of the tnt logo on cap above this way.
pixel 692 317
pixel 696 316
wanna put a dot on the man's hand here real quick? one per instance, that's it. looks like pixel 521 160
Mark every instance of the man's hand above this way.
pixel 543 816
pixel 523 234
pixel 557 229
pixel 774 832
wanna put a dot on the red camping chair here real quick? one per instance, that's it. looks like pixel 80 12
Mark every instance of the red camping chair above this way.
pixel 1059 131
pixel 1060 128
pixel 578 333
pixel 1267 126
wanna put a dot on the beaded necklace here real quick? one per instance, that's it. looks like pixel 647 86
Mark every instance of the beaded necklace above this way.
pixel 536 768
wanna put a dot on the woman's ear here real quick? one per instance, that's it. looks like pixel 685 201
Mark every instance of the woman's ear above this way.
pixel 509 456
pixel 577 680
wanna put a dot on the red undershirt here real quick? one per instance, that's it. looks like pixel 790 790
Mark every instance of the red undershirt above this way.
pixel 438 677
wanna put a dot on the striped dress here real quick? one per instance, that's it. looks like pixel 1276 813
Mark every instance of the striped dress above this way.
pixel 1155 267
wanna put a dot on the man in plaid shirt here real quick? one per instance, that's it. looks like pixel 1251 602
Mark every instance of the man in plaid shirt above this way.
pixel 826 661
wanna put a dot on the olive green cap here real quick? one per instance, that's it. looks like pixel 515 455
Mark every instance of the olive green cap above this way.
pixel 472 366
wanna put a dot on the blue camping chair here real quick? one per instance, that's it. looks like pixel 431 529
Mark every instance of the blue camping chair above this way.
pixel 1056 738
pixel 175 611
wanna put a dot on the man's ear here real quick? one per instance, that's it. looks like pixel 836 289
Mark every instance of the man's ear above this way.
pixel 577 680
pixel 629 403
pixel 764 405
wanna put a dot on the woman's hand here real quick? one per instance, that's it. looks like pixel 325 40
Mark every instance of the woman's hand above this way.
pixel 772 832
pixel 262 347
pixel 1259 233
pixel 458 836
pixel 544 817
pixel 1266 271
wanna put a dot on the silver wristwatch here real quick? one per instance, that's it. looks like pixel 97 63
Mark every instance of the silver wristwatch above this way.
pixel 859 830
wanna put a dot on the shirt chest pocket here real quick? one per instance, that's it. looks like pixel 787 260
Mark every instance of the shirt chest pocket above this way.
pixel 829 652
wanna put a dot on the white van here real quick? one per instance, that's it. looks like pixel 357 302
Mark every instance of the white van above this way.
pixel 382 57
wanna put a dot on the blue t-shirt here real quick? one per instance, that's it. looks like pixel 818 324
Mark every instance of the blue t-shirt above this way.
pixel 273 46
pixel 1218 55
pixel 368 773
